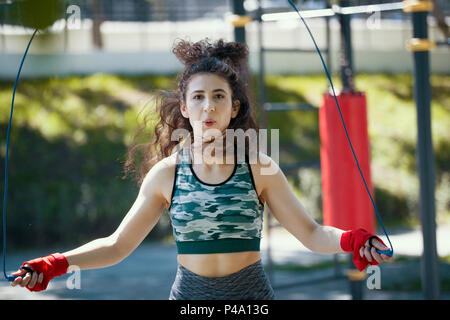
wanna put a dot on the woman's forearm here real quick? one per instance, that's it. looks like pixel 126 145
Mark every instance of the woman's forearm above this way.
pixel 99 253
pixel 326 240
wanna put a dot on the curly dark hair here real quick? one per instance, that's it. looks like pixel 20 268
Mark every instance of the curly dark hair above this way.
pixel 225 59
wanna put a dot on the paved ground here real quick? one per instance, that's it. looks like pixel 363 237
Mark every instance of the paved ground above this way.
pixel 149 271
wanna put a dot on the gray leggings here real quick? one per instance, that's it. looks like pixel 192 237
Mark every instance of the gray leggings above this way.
pixel 250 283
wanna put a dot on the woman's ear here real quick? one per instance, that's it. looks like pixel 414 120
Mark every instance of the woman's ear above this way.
pixel 235 109
pixel 183 110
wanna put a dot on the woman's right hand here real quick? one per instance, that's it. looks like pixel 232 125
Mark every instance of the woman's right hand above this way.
pixel 42 271
pixel 26 278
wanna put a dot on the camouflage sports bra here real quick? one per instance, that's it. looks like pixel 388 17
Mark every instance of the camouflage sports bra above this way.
pixel 215 218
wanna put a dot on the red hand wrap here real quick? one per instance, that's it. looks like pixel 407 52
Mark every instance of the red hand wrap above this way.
pixel 51 266
pixel 352 241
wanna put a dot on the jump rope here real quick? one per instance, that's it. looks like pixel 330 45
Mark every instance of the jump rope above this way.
pixel 5 191
pixel 12 278
pixel 386 252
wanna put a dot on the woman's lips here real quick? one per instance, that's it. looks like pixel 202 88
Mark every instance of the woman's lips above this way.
pixel 209 123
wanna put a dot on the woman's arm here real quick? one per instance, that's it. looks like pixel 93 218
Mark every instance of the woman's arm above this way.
pixel 291 214
pixel 138 222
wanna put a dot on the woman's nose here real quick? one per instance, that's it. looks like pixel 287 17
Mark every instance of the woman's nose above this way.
pixel 209 107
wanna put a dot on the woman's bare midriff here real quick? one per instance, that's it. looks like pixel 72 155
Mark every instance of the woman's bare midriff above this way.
pixel 218 264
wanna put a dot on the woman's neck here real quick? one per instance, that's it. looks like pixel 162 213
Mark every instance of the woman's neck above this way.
pixel 212 154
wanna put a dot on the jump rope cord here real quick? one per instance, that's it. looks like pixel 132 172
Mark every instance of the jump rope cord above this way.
pixel 343 123
pixel 5 191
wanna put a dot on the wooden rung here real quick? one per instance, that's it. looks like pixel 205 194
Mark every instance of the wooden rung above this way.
pixel 417 5
pixel 239 21
pixel 417 44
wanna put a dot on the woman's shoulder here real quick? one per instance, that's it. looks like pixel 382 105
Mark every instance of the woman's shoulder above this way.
pixel 165 167
pixel 161 176
pixel 263 168
pixel 262 164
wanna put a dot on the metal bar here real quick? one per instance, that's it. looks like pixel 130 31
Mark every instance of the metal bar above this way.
pixel 292 50
pixel 239 32
pixel 346 51
pixel 301 165
pixel 280 106
pixel 368 8
pixel 293 15
pixel 335 9
pixel 261 83
pixel 328 40
pixel 425 165
pixel 443 43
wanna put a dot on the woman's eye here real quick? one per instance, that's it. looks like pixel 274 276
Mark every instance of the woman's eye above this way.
pixel 217 96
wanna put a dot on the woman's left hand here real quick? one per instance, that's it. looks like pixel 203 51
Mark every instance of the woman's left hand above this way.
pixel 369 251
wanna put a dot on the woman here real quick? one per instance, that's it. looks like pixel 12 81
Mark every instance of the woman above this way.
pixel 215 198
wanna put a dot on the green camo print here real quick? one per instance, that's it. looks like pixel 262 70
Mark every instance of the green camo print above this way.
pixel 202 212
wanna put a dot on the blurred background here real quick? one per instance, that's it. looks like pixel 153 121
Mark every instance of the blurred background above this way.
pixel 91 73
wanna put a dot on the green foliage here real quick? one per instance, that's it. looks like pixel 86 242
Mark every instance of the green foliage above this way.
pixel 34 14
pixel 70 136
pixel 68 144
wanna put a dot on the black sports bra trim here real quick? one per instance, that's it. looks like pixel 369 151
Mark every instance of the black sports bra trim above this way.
pixel 212 184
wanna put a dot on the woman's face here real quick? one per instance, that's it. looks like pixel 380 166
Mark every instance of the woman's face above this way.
pixel 209 105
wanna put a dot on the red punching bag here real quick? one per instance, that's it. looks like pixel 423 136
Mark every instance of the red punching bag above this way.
pixel 346 204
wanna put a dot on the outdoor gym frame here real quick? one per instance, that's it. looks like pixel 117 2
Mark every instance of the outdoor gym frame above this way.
pixel 420 46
